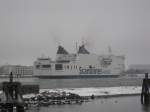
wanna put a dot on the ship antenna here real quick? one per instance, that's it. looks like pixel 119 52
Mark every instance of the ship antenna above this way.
pixel 42 55
pixel 109 50
pixel 76 47
pixel 83 41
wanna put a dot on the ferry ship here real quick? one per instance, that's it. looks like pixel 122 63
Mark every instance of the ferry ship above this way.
pixel 82 64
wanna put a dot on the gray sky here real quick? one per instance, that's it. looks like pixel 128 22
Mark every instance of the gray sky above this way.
pixel 29 28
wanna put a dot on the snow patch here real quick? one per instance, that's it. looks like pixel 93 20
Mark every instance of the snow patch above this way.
pixel 99 91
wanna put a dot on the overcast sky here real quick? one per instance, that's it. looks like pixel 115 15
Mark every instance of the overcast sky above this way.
pixel 30 28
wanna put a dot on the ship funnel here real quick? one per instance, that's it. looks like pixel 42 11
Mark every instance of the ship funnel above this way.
pixel 61 50
pixel 83 50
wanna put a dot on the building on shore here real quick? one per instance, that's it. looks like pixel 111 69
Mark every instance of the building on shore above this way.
pixel 18 70
pixel 142 67
pixel 135 70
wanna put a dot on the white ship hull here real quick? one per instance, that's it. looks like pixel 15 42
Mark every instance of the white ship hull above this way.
pixel 76 76
pixel 79 65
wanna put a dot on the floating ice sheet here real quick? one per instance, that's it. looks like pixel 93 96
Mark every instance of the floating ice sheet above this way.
pixel 100 91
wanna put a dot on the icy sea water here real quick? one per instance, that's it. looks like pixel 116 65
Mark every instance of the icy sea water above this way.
pixel 79 83
pixel 88 82
pixel 115 104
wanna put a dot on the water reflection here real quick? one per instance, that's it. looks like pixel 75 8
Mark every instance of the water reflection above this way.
pixel 146 108
pixel 34 109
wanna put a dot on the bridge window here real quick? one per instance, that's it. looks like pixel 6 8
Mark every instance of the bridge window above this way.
pixel 37 66
pixel 46 66
pixel 58 67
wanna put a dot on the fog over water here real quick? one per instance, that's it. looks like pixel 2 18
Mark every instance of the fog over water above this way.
pixel 29 28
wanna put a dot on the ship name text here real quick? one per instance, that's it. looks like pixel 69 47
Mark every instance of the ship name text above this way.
pixel 90 70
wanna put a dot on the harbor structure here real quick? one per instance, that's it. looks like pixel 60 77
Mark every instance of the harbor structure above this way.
pixel 145 94
pixel 139 68
pixel 13 95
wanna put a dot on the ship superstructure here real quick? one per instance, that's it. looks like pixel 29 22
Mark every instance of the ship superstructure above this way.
pixel 80 64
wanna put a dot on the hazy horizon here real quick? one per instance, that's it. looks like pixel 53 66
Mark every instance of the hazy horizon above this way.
pixel 30 28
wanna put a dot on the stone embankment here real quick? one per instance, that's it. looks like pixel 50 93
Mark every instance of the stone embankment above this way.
pixel 47 98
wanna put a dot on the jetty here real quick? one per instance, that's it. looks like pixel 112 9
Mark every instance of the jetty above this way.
pixel 145 94
pixel 13 96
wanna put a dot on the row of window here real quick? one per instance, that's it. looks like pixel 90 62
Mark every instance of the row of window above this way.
pixel 70 67
pixel 43 66
pixel 23 73
pixel 58 66
pixel 61 67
